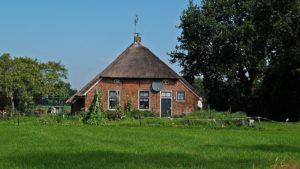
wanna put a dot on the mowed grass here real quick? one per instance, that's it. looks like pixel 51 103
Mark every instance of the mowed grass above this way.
pixel 58 146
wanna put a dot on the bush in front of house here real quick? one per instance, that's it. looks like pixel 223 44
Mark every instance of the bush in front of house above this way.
pixel 212 114
pixel 95 115
pixel 137 114
pixel 114 115
pixel 129 108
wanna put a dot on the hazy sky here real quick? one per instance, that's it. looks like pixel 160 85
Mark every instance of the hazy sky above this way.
pixel 87 35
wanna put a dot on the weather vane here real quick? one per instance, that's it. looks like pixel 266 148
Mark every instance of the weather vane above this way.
pixel 136 20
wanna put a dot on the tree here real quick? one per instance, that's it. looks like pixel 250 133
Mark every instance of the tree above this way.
pixel 198 85
pixel 7 80
pixel 278 23
pixel 247 52
pixel 69 90
pixel 218 41
pixel 24 79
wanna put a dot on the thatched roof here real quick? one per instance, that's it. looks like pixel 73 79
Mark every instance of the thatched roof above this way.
pixel 137 61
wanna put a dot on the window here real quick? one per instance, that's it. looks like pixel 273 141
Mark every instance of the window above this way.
pixel 117 81
pixel 166 94
pixel 113 97
pixel 165 82
pixel 144 100
pixel 181 96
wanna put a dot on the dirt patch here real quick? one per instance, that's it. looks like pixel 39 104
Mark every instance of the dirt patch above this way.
pixel 289 165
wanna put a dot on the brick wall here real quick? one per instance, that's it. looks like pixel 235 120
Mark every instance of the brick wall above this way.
pixel 131 87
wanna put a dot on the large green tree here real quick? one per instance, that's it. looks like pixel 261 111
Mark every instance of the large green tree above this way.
pixel 235 45
pixel 219 42
pixel 278 25
pixel 24 79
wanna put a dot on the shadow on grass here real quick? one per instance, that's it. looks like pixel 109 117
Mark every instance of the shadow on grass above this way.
pixel 276 148
pixel 280 148
pixel 108 159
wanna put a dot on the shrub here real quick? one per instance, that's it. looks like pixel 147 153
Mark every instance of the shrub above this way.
pixel 114 115
pixel 142 114
pixel 129 108
pixel 95 114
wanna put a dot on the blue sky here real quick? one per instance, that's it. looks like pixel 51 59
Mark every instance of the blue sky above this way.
pixel 87 35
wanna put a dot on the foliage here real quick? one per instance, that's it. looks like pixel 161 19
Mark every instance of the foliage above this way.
pixel 278 23
pixel 95 115
pixel 241 48
pixel 69 90
pixel 218 42
pixel 142 114
pixel 199 86
pixel 25 80
pixel 114 115
pixel 203 119
pixel 56 120
pixel 117 114
pixel 129 108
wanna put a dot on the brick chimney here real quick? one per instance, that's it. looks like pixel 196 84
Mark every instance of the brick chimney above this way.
pixel 137 38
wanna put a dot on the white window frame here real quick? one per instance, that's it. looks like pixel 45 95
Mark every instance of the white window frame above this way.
pixel 180 99
pixel 118 98
pixel 149 100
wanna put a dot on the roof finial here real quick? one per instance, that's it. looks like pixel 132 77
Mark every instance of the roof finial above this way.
pixel 137 37
pixel 136 20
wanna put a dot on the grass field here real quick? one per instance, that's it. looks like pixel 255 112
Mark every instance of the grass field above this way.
pixel 83 146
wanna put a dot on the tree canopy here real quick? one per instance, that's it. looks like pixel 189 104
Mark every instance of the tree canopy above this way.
pixel 25 80
pixel 240 48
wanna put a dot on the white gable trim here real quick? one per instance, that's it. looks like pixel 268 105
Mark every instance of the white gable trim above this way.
pixel 189 89
pixel 84 94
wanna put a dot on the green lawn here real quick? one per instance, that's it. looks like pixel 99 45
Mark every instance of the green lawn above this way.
pixel 83 146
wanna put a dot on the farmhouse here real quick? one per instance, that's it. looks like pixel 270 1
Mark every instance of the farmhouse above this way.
pixel 140 76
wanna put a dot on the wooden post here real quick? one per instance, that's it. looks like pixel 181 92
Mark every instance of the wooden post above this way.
pixel 259 122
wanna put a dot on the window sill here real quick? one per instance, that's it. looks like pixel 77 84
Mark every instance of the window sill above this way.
pixel 144 109
pixel 182 101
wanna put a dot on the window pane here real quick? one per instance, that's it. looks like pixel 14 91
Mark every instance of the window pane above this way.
pixel 144 100
pixel 113 99
pixel 181 95
pixel 113 94
pixel 112 104
pixel 144 93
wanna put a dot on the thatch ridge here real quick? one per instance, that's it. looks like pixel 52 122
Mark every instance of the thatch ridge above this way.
pixel 138 61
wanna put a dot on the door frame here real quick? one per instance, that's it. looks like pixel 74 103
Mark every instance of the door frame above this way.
pixel 171 98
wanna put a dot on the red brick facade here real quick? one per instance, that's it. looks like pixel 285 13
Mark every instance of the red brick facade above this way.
pixel 129 88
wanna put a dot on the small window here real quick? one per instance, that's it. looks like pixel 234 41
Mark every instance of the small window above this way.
pixel 181 96
pixel 165 82
pixel 166 94
pixel 144 100
pixel 113 99
pixel 117 81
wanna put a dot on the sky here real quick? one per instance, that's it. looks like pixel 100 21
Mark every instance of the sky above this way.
pixel 87 35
